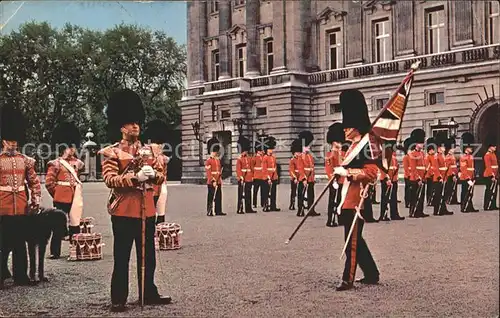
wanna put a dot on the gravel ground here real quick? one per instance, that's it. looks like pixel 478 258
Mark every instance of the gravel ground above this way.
pixel 239 266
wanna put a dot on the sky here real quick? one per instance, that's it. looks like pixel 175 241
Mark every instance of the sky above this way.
pixel 168 16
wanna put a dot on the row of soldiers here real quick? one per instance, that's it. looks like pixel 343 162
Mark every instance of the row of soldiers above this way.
pixel 432 173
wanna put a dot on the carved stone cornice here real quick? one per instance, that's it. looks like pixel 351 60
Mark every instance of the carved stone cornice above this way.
pixel 324 16
pixel 371 6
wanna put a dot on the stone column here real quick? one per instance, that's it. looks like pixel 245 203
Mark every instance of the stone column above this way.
pixel 224 43
pixel 252 18
pixel 196 32
pixel 279 36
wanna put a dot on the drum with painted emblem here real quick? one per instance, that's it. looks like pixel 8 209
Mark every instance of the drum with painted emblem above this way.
pixel 168 236
pixel 86 246
pixel 86 225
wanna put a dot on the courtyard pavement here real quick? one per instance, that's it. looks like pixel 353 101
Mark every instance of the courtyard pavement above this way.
pixel 239 266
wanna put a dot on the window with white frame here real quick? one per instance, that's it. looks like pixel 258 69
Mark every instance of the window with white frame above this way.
pixel 241 60
pixel 215 65
pixel 214 6
pixel 436 97
pixel 269 56
pixel 435 31
pixel 492 32
pixel 334 52
pixel 382 37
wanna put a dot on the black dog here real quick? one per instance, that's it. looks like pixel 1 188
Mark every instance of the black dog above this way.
pixel 39 228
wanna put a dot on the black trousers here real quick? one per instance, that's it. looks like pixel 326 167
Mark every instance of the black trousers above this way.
pixel 59 234
pixel 373 193
pixel 218 199
pixel 357 252
pixel 417 199
pixel 490 195
pixel 126 231
pixel 262 185
pixel 270 193
pixel 391 199
pixel 293 191
pixel 450 191
pixel 247 189
pixel 430 191
pixel 334 198
pixel 466 198
pixel 407 192
pixel 438 204
pixel 309 195
pixel 13 230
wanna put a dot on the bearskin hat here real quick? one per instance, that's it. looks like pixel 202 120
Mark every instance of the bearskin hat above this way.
pixel 243 144
pixel 306 137
pixel 441 139
pixel 296 146
pixel 418 136
pixel 467 140
pixel 491 140
pixel 270 143
pixel 335 133
pixel 407 144
pixel 450 143
pixel 156 132
pixel 124 107
pixel 430 144
pixel 213 145
pixel 12 125
pixel 354 111
pixel 66 134
pixel 345 146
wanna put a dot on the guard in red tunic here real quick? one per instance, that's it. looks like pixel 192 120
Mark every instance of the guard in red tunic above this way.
pixel 418 170
pixel 389 188
pixel 213 170
pixel 452 173
pixel 491 174
pixel 130 169
pixel 156 132
pixel 18 179
pixel 334 137
pixel 439 178
pixel 359 173
pixel 430 161
pixel 270 167
pixel 259 177
pixel 306 174
pixel 63 182
pixel 467 174
pixel 293 171
pixel 406 169
pixel 245 177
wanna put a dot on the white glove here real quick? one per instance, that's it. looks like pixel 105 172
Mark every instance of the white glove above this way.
pixel 145 173
pixel 341 171
pixel 470 183
pixel 335 185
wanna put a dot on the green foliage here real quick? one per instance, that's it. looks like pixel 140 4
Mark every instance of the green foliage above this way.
pixel 68 74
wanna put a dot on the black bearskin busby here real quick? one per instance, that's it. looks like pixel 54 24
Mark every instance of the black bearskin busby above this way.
pixel 243 144
pixel 13 125
pixel 296 146
pixel 65 135
pixel 270 143
pixel 450 143
pixel 467 141
pixel 354 111
pixel 407 144
pixel 124 107
pixel 418 136
pixel 156 132
pixel 335 133
pixel 306 137
pixel 490 141
pixel 430 144
pixel 213 145
pixel 441 139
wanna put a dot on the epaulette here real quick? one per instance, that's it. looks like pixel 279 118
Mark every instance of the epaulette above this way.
pixel 108 151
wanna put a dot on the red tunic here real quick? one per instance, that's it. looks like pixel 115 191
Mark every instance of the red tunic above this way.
pixel 293 169
pixel 333 159
pixel 359 178
pixel 157 187
pixel 258 173
pixel 213 169
pixel 406 166
pixel 126 196
pixel 451 165
pixel 16 172
pixel 60 182
pixel 490 165
pixel 244 168
pixel 466 167
pixel 269 167
pixel 442 168
pixel 306 167
pixel 417 165
pixel 432 171
pixel 392 173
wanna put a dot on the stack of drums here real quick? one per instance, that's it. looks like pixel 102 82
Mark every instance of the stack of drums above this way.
pixel 86 245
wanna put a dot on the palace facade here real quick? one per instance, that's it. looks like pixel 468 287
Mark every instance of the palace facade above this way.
pixel 277 67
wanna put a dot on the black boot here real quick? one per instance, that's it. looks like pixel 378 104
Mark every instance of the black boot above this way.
pixel 292 205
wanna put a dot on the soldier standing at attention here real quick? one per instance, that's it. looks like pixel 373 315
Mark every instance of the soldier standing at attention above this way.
pixel 214 179
pixel 259 179
pixel 417 177
pixel 334 137
pixel 245 177
pixel 269 166
pixel 430 161
pixel 491 175
pixel 406 169
pixel 440 176
pixel 467 174
pixel 293 170
pixel 130 170
pixel 63 181
pixel 389 188
pixel 306 174
pixel 452 174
